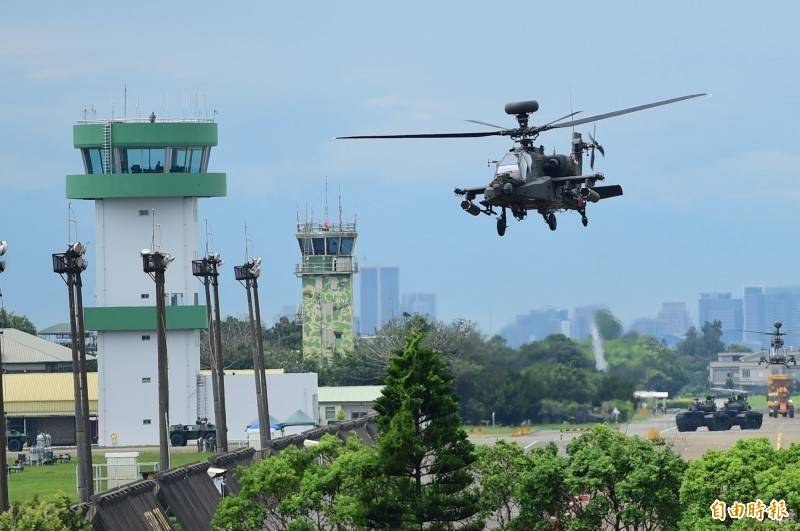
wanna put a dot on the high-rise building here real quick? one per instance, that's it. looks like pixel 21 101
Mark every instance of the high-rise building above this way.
pixel 674 319
pixel 420 304
pixel 326 270
pixel 754 318
pixel 582 320
pixel 145 177
pixel 724 308
pixel 536 325
pixel 380 297
pixel 783 304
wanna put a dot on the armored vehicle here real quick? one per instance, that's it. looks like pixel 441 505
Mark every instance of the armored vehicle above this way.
pixel 735 412
pixel 201 429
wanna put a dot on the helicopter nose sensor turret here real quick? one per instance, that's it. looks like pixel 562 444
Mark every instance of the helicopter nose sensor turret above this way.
pixel 778 325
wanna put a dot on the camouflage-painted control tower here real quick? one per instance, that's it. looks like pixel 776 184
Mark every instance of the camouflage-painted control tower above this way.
pixel 327 269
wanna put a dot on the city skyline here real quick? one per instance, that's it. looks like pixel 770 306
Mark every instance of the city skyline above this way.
pixel 700 208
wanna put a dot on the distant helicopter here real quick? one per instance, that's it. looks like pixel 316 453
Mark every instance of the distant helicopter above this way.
pixel 777 354
pixel 526 178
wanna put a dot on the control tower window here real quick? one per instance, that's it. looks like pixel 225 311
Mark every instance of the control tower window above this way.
pixel 178 161
pixel 319 245
pixel 333 245
pixel 144 160
pixel 346 246
pixel 305 246
pixel 93 160
pixel 186 160
pixel 196 160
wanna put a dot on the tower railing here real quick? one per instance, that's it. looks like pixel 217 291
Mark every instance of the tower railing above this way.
pixel 316 268
pixel 316 228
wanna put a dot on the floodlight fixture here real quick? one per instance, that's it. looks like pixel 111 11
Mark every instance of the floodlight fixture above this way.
pixel 250 270
pixel 155 261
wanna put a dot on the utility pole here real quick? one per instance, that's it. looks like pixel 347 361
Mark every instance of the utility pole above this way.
pixel 246 275
pixel 155 263
pixel 69 265
pixel 3 465
pixel 206 270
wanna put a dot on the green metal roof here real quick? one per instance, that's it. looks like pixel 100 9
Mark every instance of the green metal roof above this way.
pixel 349 393
pixel 145 134
pixel 118 185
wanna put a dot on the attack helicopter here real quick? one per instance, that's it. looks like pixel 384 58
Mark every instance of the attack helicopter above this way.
pixel 777 353
pixel 526 178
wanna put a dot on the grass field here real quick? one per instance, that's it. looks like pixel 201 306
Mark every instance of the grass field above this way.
pixel 47 482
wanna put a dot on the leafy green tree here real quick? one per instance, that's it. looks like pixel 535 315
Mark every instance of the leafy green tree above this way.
pixel 555 349
pixel 39 515
pixel 500 469
pixel 607 324
pixel 543 494
pixel 752 469
pixel 424 454
pixel 13 320
pixel 632 483
pixel 300 489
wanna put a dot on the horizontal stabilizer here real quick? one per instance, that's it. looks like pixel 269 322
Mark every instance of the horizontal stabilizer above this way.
pixel 608 191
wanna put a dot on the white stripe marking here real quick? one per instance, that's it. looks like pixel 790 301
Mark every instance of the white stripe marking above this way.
pixel 528 446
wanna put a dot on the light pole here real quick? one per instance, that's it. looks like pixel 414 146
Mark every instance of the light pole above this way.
pixel 247 275
pixel 3 467
pixel 207 270
pixel 155 263
pixel 69 265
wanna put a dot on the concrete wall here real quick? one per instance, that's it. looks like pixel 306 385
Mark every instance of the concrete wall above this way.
pixel 286 393
pixel 122 234
pixel 125 401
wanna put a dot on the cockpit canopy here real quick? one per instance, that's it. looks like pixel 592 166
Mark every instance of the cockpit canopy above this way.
pixel 515 165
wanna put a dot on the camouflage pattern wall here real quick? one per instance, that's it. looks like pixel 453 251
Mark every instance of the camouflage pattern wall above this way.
pixel 328 321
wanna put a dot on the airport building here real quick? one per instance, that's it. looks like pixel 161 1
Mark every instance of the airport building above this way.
pixel 145 178
pixel 326 269
pixel 743 370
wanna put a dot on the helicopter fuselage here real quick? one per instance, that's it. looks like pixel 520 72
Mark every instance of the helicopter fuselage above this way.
pixel 527 179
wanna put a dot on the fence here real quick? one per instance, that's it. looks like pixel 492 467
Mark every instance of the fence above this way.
pixel 100 473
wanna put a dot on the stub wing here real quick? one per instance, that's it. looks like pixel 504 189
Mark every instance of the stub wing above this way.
pixel 470 192
pixel 608 191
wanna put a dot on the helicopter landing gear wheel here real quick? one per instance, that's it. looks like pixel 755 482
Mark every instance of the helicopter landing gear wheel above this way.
pixel 551 221
pixel 501 224
pixel 584 220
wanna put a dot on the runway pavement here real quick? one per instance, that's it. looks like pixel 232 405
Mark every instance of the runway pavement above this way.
pixel 780 431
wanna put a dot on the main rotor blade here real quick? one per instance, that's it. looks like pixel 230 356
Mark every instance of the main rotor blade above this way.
pixel 486 124
pixel 570 115
pixel 623 111
pixel 430 135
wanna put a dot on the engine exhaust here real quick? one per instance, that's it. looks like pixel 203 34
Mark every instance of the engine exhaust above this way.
pixel 590 195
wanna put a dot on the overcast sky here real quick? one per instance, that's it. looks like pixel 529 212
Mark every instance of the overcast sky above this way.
pixel 711 188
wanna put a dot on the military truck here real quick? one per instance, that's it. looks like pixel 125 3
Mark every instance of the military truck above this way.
pixel 735 412
pixel 15 440
pixel 179 434
pixel 778 401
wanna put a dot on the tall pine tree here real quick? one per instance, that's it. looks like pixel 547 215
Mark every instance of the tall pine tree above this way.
pixel 424 455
